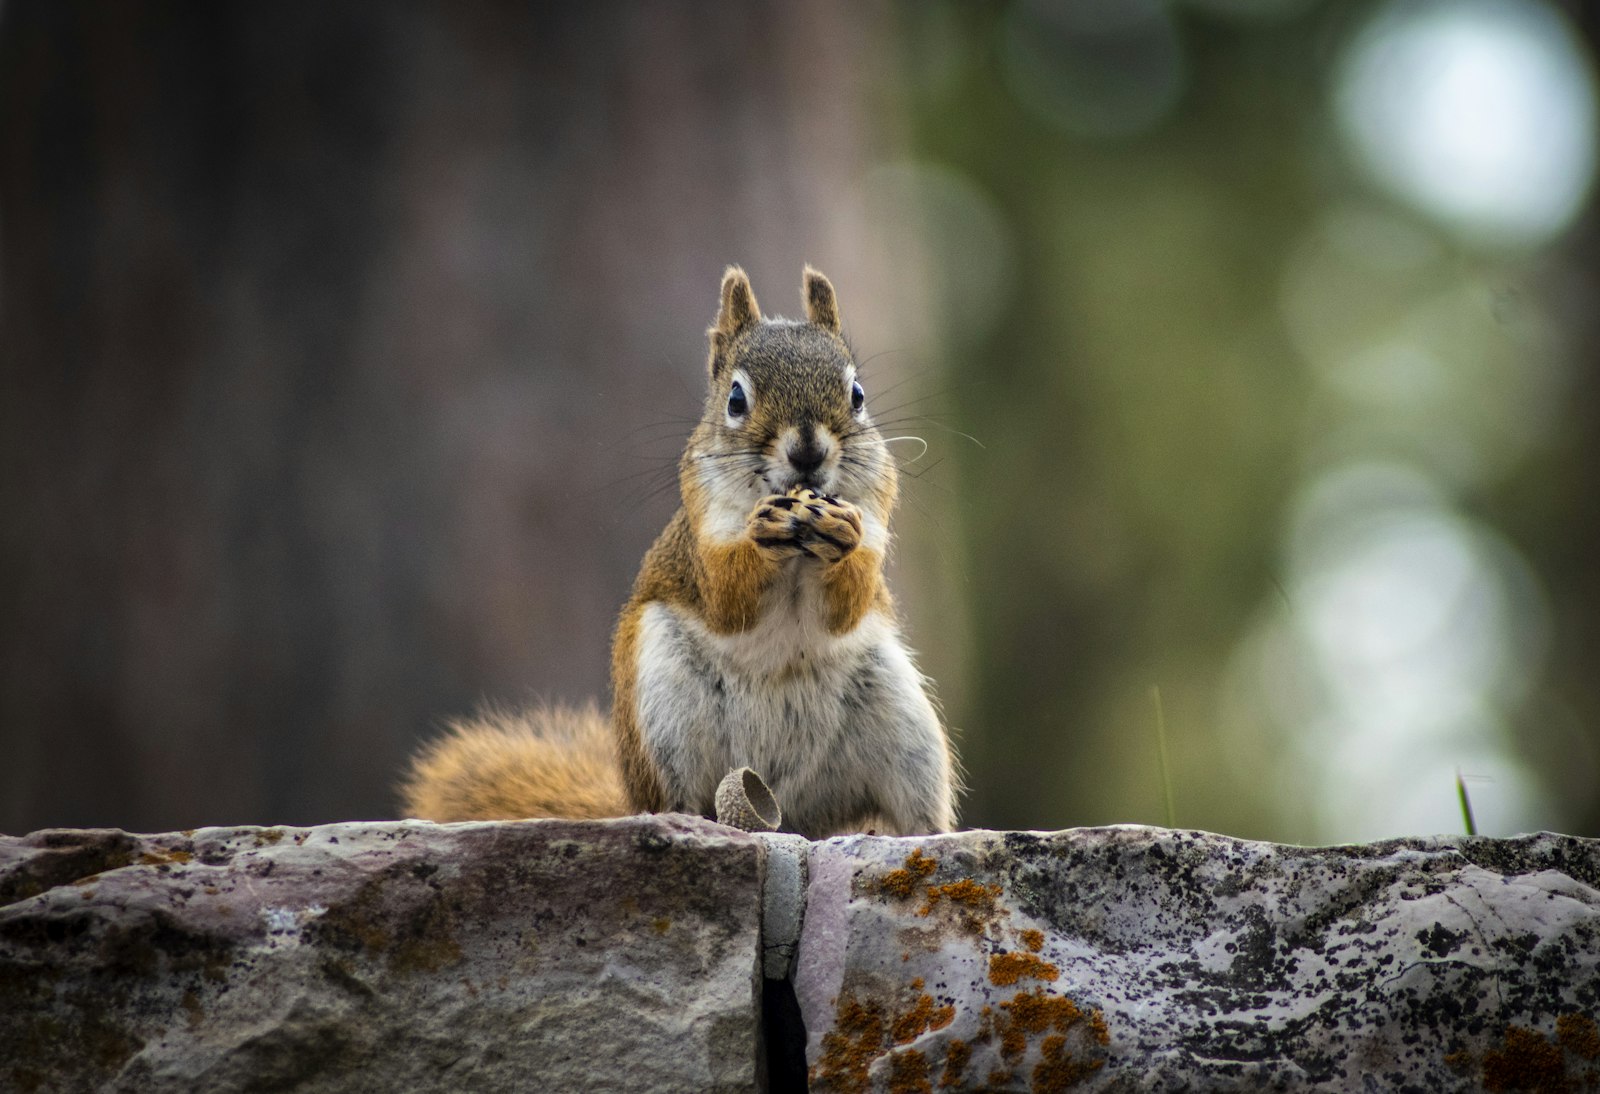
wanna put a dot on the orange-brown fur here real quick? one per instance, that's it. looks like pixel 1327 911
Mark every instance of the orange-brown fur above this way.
pixel 553 761
pixel 855 585
pixel 733 577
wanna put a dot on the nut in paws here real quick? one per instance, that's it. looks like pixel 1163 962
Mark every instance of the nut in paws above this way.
pixel 832 526
pixel 777 525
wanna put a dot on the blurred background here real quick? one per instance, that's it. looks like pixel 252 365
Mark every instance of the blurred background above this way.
pixel 346 351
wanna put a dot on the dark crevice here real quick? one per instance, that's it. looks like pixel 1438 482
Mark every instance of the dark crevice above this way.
pixel 783 1031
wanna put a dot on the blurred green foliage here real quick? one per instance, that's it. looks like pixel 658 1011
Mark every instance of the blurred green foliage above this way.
pixel 1152 415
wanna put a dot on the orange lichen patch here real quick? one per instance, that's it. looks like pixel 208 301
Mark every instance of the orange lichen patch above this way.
pixel 973 896
pixel 1013 1043
pixel 865 1029
pixel 1006 969
pixel 919 1019
pixel 972 920
pixel 966 891
pixel 660 925
pixel 908 1073
pixel 1097 1027
pixel 850 1047
pixel 1579 1035
pixel 898 883
pixel 1037 1011
pixel 902 882
pixel 151 858
pixel 957 1055
pixel 1001 1079
pixel 1033 1013
pixel 1528 1060
pixel 1057 1069
pixel 1525 1061
pixel 1033 939
pixel 913 1023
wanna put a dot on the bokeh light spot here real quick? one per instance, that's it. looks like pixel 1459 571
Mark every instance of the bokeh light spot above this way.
pixel 1480 113
pixel 1413 630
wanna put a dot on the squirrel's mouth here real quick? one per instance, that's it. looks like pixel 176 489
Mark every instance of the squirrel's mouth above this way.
pixel 783 479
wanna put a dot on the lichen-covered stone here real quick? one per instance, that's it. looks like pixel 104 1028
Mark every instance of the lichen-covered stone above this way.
pixel 539 955
pixel 1144 959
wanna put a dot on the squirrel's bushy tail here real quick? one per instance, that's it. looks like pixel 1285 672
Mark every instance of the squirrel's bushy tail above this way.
pixel 551 761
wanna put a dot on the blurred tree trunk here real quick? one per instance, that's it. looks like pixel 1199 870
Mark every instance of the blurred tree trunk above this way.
pixel 328 336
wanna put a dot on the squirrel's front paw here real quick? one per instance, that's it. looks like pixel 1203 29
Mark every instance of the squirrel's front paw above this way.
pixel 832 526
pixel 804 522
pixel 778 526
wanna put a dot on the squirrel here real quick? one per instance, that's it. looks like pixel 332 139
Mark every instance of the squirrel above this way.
pixel 760 631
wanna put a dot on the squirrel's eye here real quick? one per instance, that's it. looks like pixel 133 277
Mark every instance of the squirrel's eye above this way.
pixel 738 405
pixel 858 397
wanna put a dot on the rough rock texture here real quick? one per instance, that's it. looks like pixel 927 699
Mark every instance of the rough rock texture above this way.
pixel 627 956
pixel 540 955
pixel 1144 959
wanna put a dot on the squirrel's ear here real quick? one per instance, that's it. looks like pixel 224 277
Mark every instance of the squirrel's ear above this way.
pixel 739 308
pixel 738 311
pixel 822 307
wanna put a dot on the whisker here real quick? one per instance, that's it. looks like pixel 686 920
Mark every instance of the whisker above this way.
pixel 865 361
pixel 908 437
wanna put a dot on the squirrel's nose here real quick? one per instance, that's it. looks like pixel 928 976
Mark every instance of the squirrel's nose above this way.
pixel 806 458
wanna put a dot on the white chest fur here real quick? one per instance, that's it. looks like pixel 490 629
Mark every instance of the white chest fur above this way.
pixel 819 716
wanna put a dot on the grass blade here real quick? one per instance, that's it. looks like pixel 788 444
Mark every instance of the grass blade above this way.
pixel 1466 804
pixel 1161 747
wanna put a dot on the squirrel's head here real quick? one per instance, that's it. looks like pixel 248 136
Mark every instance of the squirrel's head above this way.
pixel 785 407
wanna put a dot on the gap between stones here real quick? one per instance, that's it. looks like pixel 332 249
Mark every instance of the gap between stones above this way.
pixel 783 904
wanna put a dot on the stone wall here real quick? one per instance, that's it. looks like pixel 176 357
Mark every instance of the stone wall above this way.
pixel 668 953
